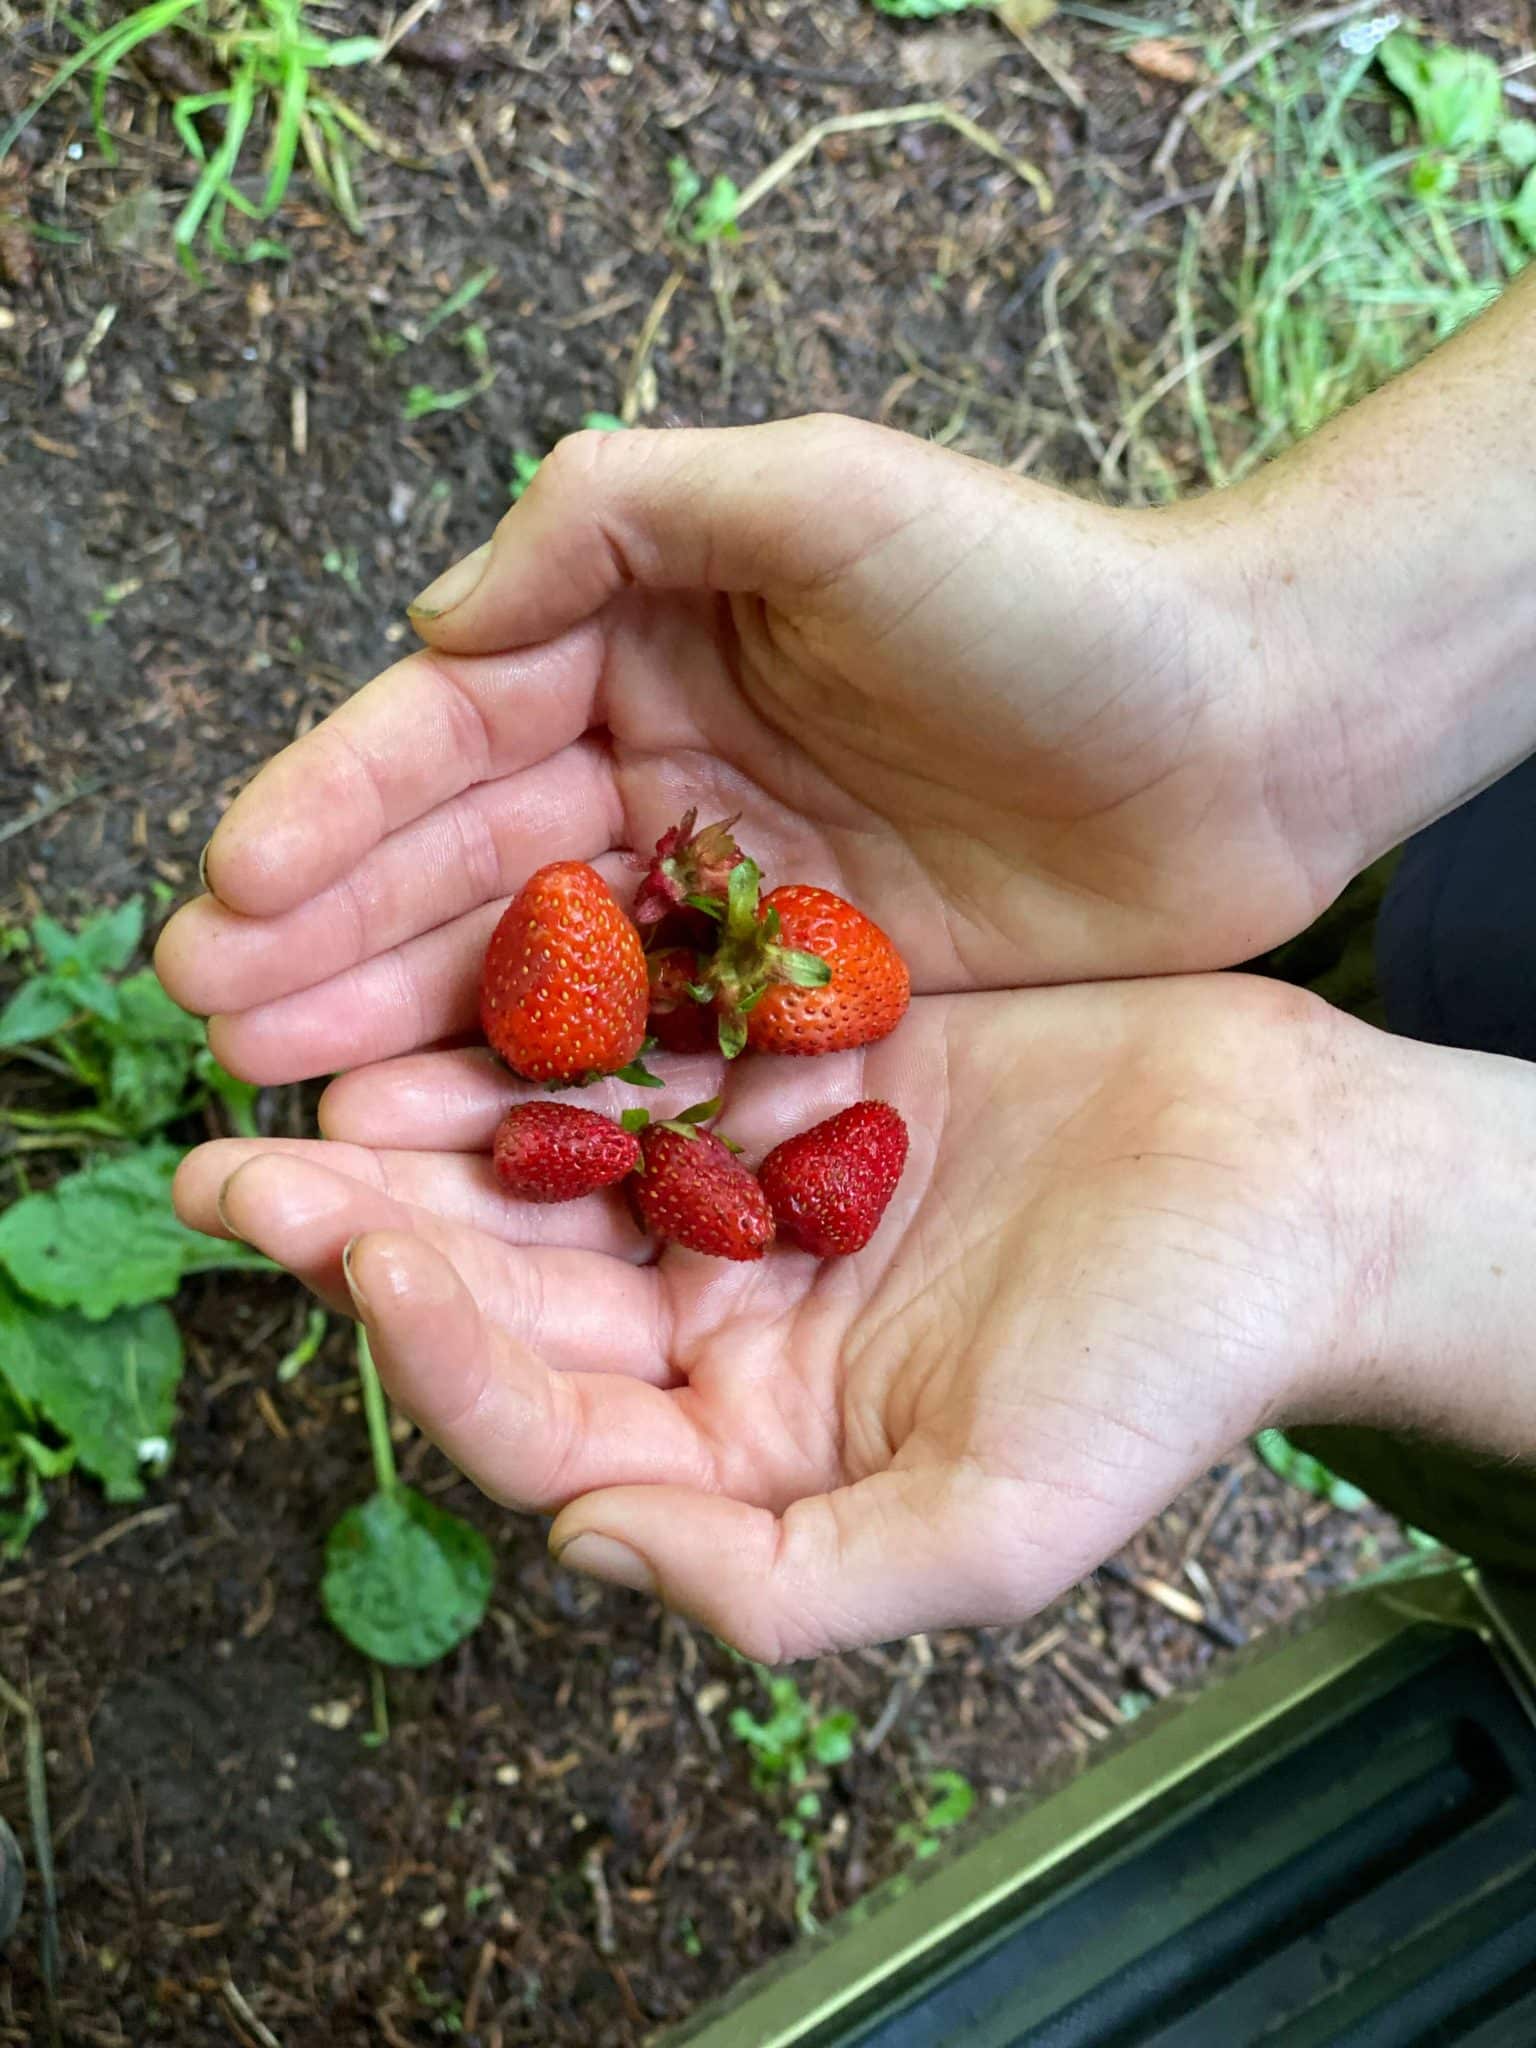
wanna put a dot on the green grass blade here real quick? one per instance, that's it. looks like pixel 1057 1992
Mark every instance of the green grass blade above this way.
pixel 242 98
pixel 285 135
pixel 88 54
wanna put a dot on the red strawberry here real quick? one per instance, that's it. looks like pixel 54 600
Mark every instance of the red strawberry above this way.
pixel 829 1187
pixel 679 1022
pixel 555 1152
pixel 563 993
pixel 692 1190
pixel 802 971
pixel 686 863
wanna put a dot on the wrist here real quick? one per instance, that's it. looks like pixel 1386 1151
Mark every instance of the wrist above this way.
pixel 1385 570
pixel 1434 1178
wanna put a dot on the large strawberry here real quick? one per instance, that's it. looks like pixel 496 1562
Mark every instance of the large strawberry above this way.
pixel 802 971
pixel 688 869
pixel 829 1187
pixel 692 1190
pixel 555 1152
pixel 563 993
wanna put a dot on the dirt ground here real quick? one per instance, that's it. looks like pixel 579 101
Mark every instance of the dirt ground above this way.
pixel 213 513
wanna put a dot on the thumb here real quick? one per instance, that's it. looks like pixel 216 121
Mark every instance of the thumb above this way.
pixel 900 1552
pixel 768 509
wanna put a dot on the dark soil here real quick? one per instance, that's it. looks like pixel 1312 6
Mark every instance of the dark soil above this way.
pixel 212 523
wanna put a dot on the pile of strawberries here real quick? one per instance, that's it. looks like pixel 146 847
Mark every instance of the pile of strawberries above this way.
pixel 574 990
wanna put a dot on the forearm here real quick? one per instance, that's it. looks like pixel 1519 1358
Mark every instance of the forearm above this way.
pixel 1390 562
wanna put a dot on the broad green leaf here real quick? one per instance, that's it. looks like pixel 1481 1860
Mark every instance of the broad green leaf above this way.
pixel 107 1238
pixel 405 1581
pixel 108 1388
pixel 38 1009
pixel 1517 144
pixel 1523 213
pixel 1457 95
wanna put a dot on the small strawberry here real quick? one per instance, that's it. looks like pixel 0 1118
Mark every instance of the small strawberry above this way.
pixel 692 1190
pixel 829 1187
pixel 688 868
pixel 563 993
pixel 803 972
pixel 679 1021
pixel 555 1152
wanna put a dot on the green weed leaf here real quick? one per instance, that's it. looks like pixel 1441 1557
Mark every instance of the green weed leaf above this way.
pixel 237 1096
pixel 107 1387
pixel 104 944
pixel 1517 144
pixel 832 1739
pixel 38 1009
pixel 1457 95
pixel 405 1581
pixel 154 1048
pixel 955 1796
pixel 1301 1469
pixel 714 216
pixel 107 1238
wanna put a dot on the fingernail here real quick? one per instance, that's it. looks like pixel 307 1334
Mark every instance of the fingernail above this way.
pixel 202 869
pixel 452 587
pixel 218 1203
pixel 604 1557
pixel 359 1299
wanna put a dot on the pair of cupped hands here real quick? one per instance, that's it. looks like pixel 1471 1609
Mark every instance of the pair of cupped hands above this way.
pixel 1044 745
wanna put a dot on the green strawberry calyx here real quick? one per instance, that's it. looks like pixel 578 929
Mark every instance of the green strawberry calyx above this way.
pixel 749 959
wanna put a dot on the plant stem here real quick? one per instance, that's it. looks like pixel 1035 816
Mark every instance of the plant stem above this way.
pixel 42 1847
pixel 380 1701
pixel 376 1408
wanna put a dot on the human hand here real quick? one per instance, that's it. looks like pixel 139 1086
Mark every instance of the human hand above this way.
pixel 1138 1221
pixel 1023 732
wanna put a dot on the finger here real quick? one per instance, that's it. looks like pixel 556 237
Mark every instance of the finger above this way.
pixel 529 1437
pixel 456 1188
pixel 419 993
pixel 481 844
pixel 902 1551
pixel 453 1101
pixel 729 510
pixel 581 1310
pixel 424 730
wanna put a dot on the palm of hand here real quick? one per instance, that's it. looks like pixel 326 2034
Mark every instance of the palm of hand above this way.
pixel 1081 1294
pixel 996 719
